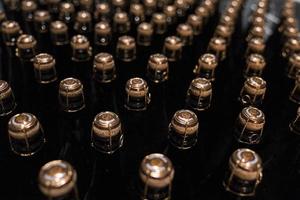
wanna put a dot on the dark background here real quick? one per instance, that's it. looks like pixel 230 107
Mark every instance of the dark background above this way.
pixel 198 172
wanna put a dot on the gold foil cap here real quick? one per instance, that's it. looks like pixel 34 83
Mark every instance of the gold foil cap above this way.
pixel 256 61
pixel 201 87
pixel 23 126
pixel 5 90
pixel 137 87
pixel 25 41
pixel 57 178
pixel 252 118
pixel 145 29
pixel 43 61
pixel 126 42
pixel 217 43
pixel 66 7
pixel 121 17
pixel 28 5
pixel 184 30
pixel 255 85
pixel 208 61
pixel 185 122
pixel 156 170
pixel 102 28
pixel 70 87
pixel 58 27
pixel 106 124
pixel 173 43
pixel 42 15
pixel 83 17
pixel 10 26
pixel 158 62
pixel 246 164
pixel 80 42
pixel 104 61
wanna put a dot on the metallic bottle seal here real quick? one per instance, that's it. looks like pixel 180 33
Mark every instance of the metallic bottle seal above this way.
pixel 107 134
pixel 173 48
pixel 183 129
pixel 156 174
pixel 71 96
pixel 138 96
pixel 199 94
pixel 11 30
pixel 126 48
pixel 57 178
pixel 244 173
pixel 25 133
pixel 144 34
pixel 158 68
pixel 59 33
pixel 255 65
pixel 104 68
pixel 44 68
pixel 7 99
pixel 185 32
pixel 206 66
pixel 81 48
pixel 250 125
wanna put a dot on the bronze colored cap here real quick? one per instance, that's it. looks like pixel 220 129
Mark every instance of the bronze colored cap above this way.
pixel 156 170
pixel 28 5
pixel 291 32
pixel 257 31
pixel 227 20
pixel 42 15
pixel 184 30
pixel 208 61
pixel 145 29
pixel 185 122
pixel 217 43
pixel 58 27
pixel 80 42
pixel 103 28
pixel 258 21
pixel 83 17
pixel 43 61
pixel 223 31
pixel 9 27
pixel 294 60
pixel 118 3
pixel 137 87
pixel 202 12
pixel 253 118
pixel 246 164
pixel 87 3
pixel 121 17
pixel 158 62
pixel 126 42
pixel 106 124
pixel 22 126
pixel 181 4
pixel 25 41
pixel 257 44
pixel 70 87
pixel 66 7
pixel 150 3
pixel 102 8
pixel 201 87
pixel 194 20
pixel 255 85
pixel 104 61
pixel 173 43
pixel 293 44
pixel 170 10
pixel 159 18
pixel 5 90
pixel 137 9
pixel 57 178
pixel 256 61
